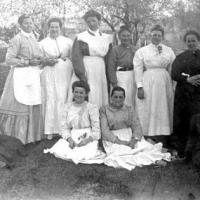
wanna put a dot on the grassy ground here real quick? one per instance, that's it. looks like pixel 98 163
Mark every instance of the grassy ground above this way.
pixel 43 177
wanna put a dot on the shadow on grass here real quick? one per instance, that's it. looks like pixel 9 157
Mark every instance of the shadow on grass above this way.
pixel 42 175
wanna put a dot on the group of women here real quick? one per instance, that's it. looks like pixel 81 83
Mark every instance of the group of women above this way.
pixel 58 86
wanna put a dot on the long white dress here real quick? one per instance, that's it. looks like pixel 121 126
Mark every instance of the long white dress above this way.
pixel 152 72
pixel 55 81
pixel 93 68
pixel 79 122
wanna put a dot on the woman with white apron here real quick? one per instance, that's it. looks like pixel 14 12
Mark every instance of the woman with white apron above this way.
pixel 120 65
pixel 20 104
pixel 56 76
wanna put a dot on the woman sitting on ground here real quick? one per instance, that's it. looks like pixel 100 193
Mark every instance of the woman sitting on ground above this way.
pixel 122 135
pixel 80 129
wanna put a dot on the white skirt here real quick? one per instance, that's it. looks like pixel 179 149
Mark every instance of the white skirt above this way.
pixel 126 80
pixel 122 156
pixel 155 111
pixel 86 154
pixel 55 85
pixel 96 77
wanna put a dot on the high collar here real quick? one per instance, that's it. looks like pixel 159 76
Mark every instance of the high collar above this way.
pixel 156 46
pixel 95 33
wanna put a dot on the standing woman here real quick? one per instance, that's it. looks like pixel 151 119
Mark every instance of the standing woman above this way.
pixel 56 76
pixel 186 72
pixel 89 49
pixel 120 65
pixel 154 99
pixel 20 109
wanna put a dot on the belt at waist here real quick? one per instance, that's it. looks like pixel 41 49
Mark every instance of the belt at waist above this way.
pixel 124 69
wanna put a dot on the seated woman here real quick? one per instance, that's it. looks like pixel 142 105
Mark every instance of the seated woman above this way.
pixel 80 129
pixel 122 135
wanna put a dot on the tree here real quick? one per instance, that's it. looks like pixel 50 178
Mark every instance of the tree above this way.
pixel 135 14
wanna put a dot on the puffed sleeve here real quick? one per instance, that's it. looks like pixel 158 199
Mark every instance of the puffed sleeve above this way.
pixel 65 129
pixel 135 123
pixel 94 120
pixel 105 130
pixel 13 51
pixel 138 63
pixel 111 66
pixel 77 60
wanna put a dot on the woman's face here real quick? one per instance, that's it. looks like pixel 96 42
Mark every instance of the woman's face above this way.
pixel 27 25
pixel 125 37
pixel 156 37
pixel 79 95
pixel 191 42
pixel 93 23
pixel 54 29
pixel 117 99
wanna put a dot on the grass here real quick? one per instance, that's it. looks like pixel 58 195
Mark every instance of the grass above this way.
pixel 43 177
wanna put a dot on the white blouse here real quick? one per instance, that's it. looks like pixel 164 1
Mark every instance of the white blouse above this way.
pixel 98 43
pixel 152 57
pixel 81 116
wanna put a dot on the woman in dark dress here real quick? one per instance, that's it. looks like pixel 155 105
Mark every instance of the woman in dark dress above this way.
pixel 186 72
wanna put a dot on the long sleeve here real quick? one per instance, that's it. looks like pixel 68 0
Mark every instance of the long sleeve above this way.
pixel 106 133
pixel 94 119
pixel 138 68
pixel 172 57
pixel 65 129
pixel 135 125
pixel 177 69
pixel 77 60
pixel 13 51
pixel 111 68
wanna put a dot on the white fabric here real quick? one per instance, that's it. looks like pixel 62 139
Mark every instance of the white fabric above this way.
pixel 85 154
pixel 26 83
pixel 121 156
pixel 55 81
pixel 95 67
pixel 152 71
pixel 126 80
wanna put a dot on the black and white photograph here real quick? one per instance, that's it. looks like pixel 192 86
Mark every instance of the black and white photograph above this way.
pixel 100 99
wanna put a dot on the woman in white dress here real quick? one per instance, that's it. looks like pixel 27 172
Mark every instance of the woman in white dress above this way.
pixel 89 49
pixel 80 129
pixel 154 101
pixel 122 135
pixel 56 76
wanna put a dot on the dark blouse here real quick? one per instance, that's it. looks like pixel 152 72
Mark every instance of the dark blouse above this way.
pixel 187 62
pixel 119 56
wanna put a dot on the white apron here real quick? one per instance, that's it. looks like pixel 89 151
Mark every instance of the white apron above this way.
pixel 26 84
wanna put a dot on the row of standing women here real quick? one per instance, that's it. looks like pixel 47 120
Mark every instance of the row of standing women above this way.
pixel 21 104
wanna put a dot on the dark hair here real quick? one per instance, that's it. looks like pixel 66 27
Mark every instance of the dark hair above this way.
pixel 158 27
pixel 22 18
pixel 92 13
pixel 81 84
pixel 123 28
pixel 191 32
pixel 55 19
pixel 118 88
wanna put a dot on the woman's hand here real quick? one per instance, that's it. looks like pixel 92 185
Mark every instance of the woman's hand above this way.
pixel 72 144
pixel 132 143
pixel 140 93
pixel 194 80
pixel 85 142
pixel 49 61
pixel 34 62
